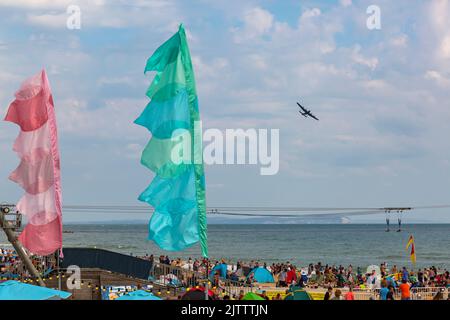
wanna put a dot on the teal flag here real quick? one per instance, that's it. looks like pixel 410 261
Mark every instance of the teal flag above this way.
pixel 174 153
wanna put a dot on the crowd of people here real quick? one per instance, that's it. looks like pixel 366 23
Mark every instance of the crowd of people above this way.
pixel 12 267
pixel 9 262
pixel 323 275
pixel 383 279
pixel 319 275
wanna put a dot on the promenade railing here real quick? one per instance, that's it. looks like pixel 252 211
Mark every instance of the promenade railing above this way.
pixel 417 293
pixel 235 288
pixel 426 293
pixel 175 277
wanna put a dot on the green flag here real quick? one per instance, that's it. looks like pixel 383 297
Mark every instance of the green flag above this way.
pixel 174 153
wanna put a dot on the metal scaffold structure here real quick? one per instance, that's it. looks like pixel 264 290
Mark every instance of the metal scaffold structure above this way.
pixel 10 221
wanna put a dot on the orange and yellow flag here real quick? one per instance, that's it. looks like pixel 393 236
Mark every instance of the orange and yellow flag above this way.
pixel 412 255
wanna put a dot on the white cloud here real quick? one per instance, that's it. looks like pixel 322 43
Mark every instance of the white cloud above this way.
pixel 257 22
pixel 438 78
pixel 440 21
pixel 257 61
pixel 400 41
pixel 346 3
pixel 360 59
pixel 112 120
pixel 445 47
pixel 115 80
pixel 327 47
pixel 48 20
pixel 35 4
pixel 97 13
pixel 375 84
pixel 315 12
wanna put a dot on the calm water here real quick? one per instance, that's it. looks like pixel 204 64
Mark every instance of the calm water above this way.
pixel 333 244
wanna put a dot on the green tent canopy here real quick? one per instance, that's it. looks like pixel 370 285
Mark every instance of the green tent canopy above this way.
pixel 252 296
pixel 298 295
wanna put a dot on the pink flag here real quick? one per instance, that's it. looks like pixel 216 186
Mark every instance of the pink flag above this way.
pixel 39 170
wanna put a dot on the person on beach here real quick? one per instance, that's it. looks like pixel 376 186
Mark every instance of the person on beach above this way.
pixel 216 278
pixel 384 290
pixel 390 294
pixel 371 280
pixel 337 295
pixel 349 295
pixel 340 279
pixel 291 277
pixel 277 297
pixel 405 274
pixel 328 294
pixel 394 269
pixel 282 278
pixel 405 290
pixel 303 279
pixel 251 278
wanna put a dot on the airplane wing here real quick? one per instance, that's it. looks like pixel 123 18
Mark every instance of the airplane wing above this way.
pixel 313 116
pixel 304 110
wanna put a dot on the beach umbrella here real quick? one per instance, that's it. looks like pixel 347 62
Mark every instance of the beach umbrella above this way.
pixel 252 296
pixel 261 275
pixel 139 295
pixel 14 290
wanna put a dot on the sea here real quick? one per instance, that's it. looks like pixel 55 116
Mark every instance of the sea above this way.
pixel 341 244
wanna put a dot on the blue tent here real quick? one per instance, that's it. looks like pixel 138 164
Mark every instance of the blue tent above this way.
pixel 222 268
pixel 13 290
pixel 261 275
pixel 139 295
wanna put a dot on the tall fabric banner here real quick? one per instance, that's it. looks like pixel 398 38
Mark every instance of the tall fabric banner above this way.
pixel 174 152
pixel 412 254
pixel 39 170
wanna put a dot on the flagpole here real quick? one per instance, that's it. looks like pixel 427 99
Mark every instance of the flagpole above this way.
pixel 207 279
pixel 59 270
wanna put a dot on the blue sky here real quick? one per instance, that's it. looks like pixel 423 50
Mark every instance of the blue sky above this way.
pixel 382 96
